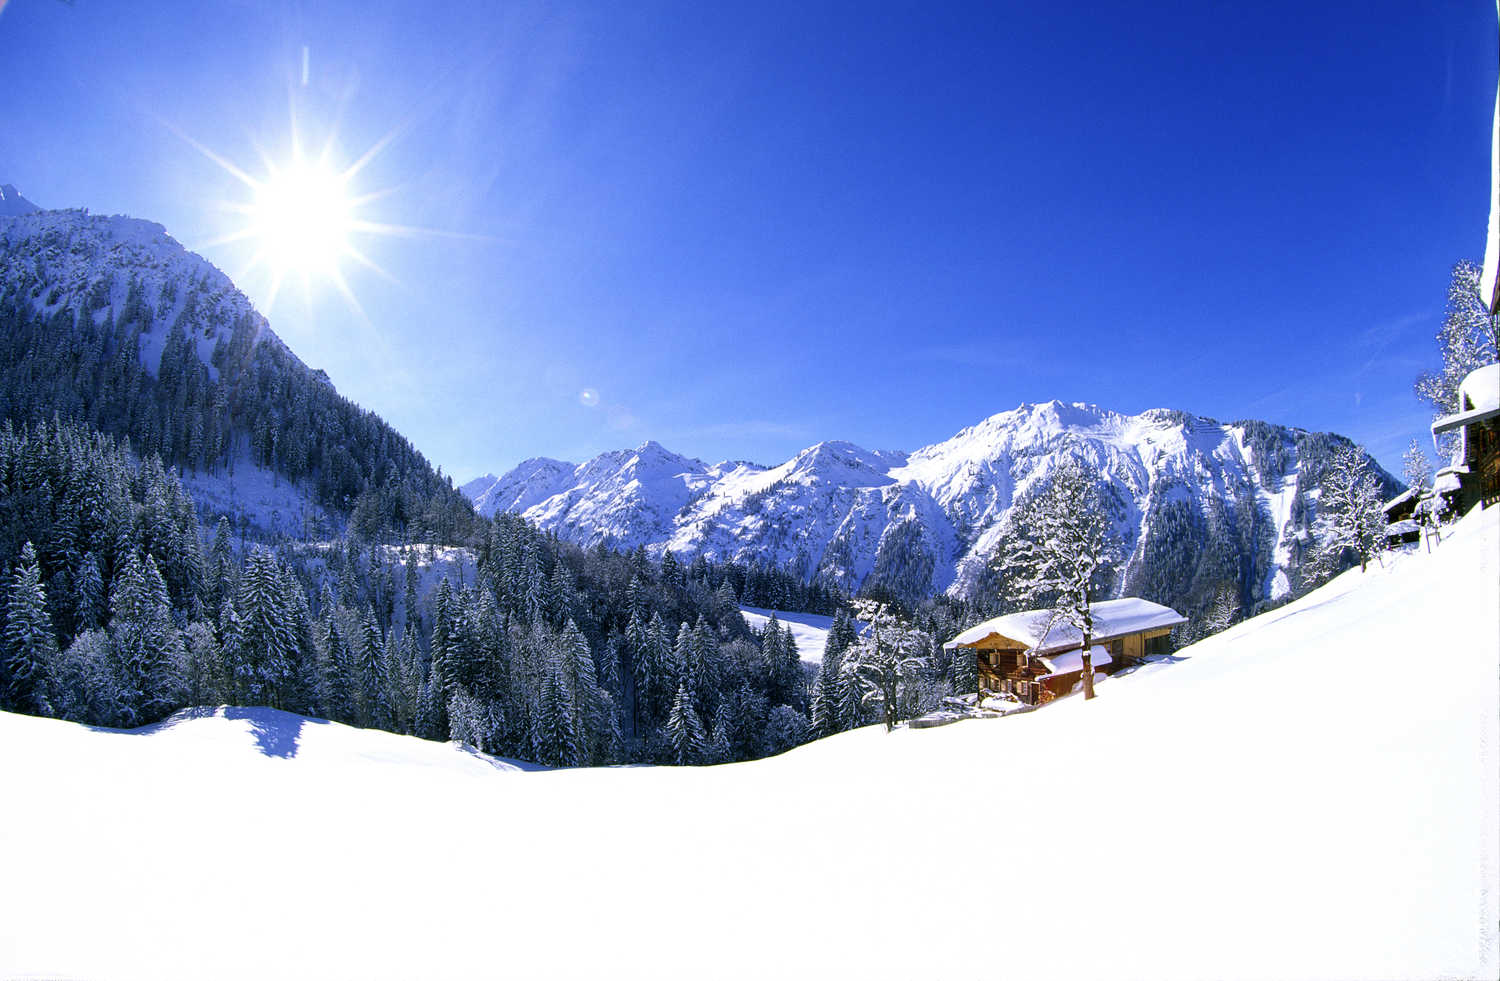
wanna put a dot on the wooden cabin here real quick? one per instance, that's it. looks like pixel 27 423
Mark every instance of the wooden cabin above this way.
pixel 1402 520
pixel 1476 471
pixel 1019 655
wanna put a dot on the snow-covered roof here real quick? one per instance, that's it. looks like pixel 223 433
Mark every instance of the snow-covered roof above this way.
pixel 1401 498
pixel 1069 661
pixel 1112 618
pixel 1405 526
pixel 1478 398
pixel 1447 483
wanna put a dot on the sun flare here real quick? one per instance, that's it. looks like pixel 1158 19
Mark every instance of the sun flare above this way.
pixel 302 220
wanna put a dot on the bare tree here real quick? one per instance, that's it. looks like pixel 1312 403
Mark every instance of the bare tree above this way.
pixel 1466 340
pixel 1351 516
pixel 1063 552
pixel 888 656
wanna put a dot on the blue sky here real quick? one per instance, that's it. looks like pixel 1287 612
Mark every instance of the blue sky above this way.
pixel 749 228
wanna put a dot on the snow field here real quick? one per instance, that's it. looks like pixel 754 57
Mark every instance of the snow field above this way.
pixel 1311 794
pixel 809 630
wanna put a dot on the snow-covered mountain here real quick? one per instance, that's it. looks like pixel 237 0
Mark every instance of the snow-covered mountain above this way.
pixel 259 436
pixel 1275 802
pixel 11 202
pixel 115 267
pixel 1197 500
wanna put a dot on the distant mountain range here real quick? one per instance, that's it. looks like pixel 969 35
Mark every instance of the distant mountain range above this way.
pixel 1201 506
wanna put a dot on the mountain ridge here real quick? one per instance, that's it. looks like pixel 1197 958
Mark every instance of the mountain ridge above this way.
pixel 927 520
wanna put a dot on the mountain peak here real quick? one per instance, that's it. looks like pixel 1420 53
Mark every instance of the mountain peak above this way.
pixel 11 202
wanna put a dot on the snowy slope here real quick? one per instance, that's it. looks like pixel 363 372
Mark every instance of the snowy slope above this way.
pixel 809 630
pixel 1287 800
pixel 929 520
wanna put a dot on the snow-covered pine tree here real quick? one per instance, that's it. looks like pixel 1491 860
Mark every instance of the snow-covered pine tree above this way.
pixel 370 670
pixel 593 715
pixel 88 594
pixel 443 615
pixel 552 738
pixel 685 730
pixel 965 671
pixel 30 644
pixel 1061 556
pixel 704 668
pixel 267 645
pixel 84 686
pixel 336 683
pixel 148 646
pixel 205 676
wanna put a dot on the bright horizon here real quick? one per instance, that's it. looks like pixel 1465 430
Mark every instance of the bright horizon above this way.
pixel 739 233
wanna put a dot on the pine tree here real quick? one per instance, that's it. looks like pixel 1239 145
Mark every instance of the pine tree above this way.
pixel 965 671
pixel 553 740
pixel 375 710
pixel 443 616
pixel 336 688
pixel 148 647
pixel 267 649
pixel 685 730
pixel 30 644
pixel 204 682
pixel 88 594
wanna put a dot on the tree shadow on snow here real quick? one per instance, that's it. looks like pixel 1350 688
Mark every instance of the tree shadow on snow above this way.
pixel 276 733
pixel 504 763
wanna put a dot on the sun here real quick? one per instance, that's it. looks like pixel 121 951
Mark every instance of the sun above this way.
pixel 302 219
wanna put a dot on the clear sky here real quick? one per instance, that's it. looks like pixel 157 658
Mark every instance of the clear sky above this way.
pixel 742 229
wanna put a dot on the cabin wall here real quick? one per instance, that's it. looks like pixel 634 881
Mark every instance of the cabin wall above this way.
pixel 1007 669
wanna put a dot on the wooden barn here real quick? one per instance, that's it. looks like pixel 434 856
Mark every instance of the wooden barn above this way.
pixel 1018 655
pixel 1477 470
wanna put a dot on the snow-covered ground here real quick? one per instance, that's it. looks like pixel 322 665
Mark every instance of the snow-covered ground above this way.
pixel 809 630
pixel 1311 794
pixel 259 498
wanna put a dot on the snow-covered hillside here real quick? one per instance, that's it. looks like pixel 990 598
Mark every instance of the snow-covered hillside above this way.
pixel 85 293
pixel 106 266
pixel 1314 793
pixel 809 630
pixel 929 520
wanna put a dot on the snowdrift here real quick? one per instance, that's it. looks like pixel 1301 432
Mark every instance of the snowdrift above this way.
pixel 1312 794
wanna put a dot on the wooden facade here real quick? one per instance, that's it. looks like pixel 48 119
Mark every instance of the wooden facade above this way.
pixel 1006 667
pixel 1478 425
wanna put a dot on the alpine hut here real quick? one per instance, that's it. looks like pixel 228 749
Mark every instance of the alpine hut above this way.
pixel 1028 655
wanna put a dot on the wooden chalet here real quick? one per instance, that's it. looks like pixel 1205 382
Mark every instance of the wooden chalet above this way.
pixel 1477 421
pixel 1018 655
pixel 1402 519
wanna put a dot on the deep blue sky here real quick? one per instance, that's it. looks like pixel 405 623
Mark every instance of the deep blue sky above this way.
pixel 750 229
